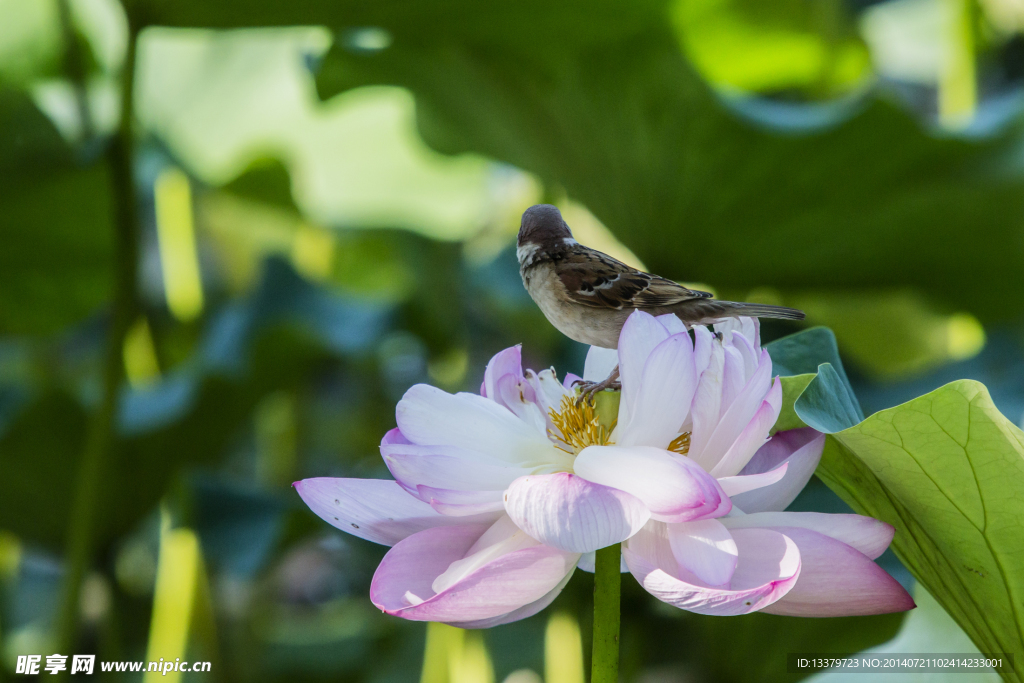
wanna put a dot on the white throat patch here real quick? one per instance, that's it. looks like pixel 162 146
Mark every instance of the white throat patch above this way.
pixel 526 252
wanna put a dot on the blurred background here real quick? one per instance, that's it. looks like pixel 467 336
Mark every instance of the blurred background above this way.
pixel 232 234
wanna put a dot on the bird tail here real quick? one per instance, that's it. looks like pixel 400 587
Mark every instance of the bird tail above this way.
pixel 736 309
pixel 709 311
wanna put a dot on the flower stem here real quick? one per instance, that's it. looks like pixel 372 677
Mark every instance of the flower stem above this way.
pixel 607 583
pixel 100 444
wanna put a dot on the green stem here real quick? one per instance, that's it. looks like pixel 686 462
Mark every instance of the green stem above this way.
pixel 607 582
pixel 100 444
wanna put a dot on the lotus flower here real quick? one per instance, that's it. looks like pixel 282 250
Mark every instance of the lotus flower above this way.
pixel 497 497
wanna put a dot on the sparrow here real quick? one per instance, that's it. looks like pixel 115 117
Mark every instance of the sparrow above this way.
pixel 588 295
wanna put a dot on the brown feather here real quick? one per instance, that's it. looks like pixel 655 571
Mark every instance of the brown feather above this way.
pixel 594 279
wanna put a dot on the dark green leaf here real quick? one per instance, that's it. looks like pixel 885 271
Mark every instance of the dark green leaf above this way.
pixel 803 352
pixel 828 403
pixel 55 225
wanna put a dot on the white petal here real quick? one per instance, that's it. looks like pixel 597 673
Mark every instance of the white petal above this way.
pixel 431 417
pixel 570 513
pixel 703 340
pixel 448 467
pixel 665 395
pixel 751 356
pixel 707 401
pixel 748 327
pixel 673 487
pixel 588 561
pixel 639 337
pixel 548 389
pixel 461 503
pixel 600 363
pixel 672 323
pixel 501 538
pixel 753 436
pixel 733 486
pixel 706 548
pixel 734 377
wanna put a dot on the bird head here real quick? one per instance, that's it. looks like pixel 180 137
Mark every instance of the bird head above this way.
pixel 544 230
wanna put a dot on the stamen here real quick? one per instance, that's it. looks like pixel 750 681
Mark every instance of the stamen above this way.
pixel 577 426
pixel 681 444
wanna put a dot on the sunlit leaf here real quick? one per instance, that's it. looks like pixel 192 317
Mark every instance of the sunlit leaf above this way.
pixel 947 470
pixel 219 101
pixel 789 46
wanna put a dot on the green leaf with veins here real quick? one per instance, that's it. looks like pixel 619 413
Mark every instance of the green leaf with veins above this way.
pixel 947 470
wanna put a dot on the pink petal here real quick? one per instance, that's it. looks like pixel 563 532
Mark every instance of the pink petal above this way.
pixel 521 613
pixel 733 486
pixel 864 534
pixel 705 548
pixel 394 437
pixel 838 581
pixel 519 397
pixel 674 488
pixel 801 450
pixel 507 362
pixel 568 512
pixel 753 435
pixel 600 363
pixel 432 417
pixel 378 510
pixel 768 567
pixel 666 392
pixel 461 503
pixel 402 584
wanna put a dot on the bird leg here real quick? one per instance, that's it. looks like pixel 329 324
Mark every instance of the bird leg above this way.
pixel 591 388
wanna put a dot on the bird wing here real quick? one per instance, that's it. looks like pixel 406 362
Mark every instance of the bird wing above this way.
pixel 597 280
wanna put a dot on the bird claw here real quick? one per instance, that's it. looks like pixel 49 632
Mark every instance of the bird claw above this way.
pixel 591 388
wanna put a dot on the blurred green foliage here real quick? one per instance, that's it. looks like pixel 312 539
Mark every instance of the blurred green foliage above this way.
pixel 356 171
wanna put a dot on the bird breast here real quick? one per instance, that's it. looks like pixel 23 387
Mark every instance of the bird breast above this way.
pixel 585 324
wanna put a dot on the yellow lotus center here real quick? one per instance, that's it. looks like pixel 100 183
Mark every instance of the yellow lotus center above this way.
pixel 576 426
